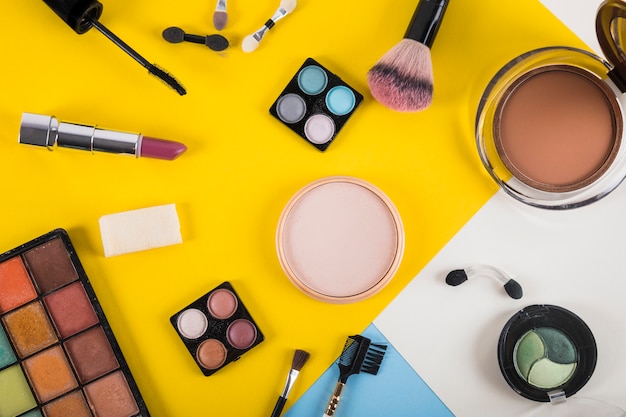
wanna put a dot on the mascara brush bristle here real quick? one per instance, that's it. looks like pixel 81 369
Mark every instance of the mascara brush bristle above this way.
pixel 167 79
pixel 299 359
pixel 402 79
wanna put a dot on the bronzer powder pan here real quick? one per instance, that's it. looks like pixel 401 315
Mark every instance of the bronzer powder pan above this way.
pixel 549 126
pixel 340 239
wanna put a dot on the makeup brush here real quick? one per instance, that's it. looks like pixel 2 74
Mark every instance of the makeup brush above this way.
pixel 82 15
pixel 251 42
pixel 215 42
pixel 220 17
pixel 359 355
pixel 459 276
pixel 402 79
pixel 299 359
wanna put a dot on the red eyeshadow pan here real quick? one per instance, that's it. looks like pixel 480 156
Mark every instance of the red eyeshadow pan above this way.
pixel 71 310
pixel 16 288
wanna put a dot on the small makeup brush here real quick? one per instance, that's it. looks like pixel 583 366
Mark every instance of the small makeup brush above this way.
pixel 251 42
pixel 82 15
pixel 359 355
pixel 402 79
pixel 220 17
pixel 299 359
pixel 214 42
pixel 459 276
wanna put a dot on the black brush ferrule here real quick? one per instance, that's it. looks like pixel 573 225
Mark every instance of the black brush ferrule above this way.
pixel 78 14
pixel 426 21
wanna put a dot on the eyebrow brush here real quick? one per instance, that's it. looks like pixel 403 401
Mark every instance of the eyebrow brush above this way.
pixel 359 355
pixel 83 15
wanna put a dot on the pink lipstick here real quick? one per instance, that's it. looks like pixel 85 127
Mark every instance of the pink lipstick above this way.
pixel 48 131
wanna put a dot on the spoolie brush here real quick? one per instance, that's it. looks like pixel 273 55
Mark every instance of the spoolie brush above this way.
pixel 402 79
pixel 359 355
pixel 251 42
pixel 299 359
pixel 82 15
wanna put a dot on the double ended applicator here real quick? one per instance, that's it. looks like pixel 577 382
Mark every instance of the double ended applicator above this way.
pixel 83 15
pixel 402 79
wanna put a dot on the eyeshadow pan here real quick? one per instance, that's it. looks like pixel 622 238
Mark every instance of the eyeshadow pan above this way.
pixel 29 329
pixel 50 265
pixel 312 79
pixel 319 128
pixel 111 397
pixel 7 356
pixel 15 396
pixel 71 309
pixel 33 413
pixel 91 354
pixel 241 334
pixel 192 323
pixel 222 304
pixel 211 353
pixel 70 405
pixel 50 374
pixel 340 100
pixel 16 288
pixel 291 108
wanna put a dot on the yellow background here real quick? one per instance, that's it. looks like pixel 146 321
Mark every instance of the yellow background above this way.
pixel 242 166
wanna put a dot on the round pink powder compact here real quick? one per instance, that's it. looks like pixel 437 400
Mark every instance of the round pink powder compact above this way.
pixel 340 240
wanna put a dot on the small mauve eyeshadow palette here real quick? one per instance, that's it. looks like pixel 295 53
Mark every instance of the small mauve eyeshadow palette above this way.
pixel 217 329
pixel 58 354
pixel 316 104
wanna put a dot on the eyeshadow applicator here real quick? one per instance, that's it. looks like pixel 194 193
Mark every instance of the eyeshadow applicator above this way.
pixel 251 42
pixel 459 276
pixel 48 131
pixel 83 15
pixel 215 42
pixel 402 79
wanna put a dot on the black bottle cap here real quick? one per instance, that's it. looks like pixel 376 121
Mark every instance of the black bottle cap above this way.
pixel 78 14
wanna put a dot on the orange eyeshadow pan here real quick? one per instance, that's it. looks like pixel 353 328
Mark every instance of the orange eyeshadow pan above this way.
pixel 58 354
pixel 16 288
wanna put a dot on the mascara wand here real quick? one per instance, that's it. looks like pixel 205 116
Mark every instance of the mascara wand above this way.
pixel 83 15
pixel 359 355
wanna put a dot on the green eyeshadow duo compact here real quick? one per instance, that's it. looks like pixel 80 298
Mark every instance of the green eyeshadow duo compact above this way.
pixel 547 353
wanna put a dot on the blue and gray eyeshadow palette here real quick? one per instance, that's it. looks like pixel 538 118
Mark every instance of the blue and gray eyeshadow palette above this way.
pixel 316 104
pixel 217 329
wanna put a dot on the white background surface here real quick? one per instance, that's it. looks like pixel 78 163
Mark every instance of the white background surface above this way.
pixel 575 259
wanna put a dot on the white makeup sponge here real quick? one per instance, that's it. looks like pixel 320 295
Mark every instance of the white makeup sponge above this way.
pixel 137 230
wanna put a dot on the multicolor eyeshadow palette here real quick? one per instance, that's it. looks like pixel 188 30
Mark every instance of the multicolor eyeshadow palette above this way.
pixel 316 104
pixel 58 354
pixel 217 329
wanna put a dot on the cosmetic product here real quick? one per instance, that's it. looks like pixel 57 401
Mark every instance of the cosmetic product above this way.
pixel 58 354
pixel 251 42
pixel 547 354
pixel 340 240
pixel 316 104
pixel 82 15
pixel 402 79
pixel 220 17
pixel 459 276
pixel 141 229
pixel 217 329
pixel 359 355
pixel 549 125
pixel 214 42
pixel 299 359
pixel 48 131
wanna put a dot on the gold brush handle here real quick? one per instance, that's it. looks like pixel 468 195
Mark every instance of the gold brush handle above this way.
pixel 331 408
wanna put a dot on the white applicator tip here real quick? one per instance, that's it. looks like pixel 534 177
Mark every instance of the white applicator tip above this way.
pixel 249 44
pixel 288 5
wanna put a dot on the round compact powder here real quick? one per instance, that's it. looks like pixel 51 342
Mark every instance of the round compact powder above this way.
pixel 340 239
pixel 192 323
pixel 558 128
pixel 211 354
pixel 222 304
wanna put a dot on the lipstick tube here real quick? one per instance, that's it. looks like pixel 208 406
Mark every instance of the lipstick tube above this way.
pixel 48 131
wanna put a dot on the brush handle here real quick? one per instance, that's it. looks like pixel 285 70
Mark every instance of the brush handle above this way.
pixel 278 408
pixel 333 403
pixel 426 21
